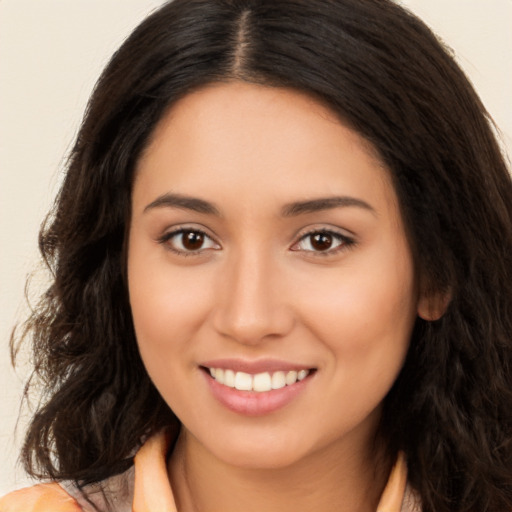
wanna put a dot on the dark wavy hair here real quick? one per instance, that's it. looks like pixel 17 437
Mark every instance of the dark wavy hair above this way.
pixel 389 78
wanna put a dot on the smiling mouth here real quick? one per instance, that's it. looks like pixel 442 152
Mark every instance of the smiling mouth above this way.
pixel 260 382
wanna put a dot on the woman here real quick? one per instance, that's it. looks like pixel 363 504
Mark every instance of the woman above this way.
pixel 282 260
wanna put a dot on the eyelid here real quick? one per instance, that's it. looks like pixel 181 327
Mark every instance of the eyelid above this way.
pixel 169 234
pixel 347 241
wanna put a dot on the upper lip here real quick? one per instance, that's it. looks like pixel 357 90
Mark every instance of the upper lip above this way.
pixel 254 367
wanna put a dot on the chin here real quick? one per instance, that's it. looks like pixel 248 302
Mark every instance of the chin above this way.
pixel 275 452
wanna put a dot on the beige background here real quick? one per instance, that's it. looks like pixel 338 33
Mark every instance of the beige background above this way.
pixel 52 51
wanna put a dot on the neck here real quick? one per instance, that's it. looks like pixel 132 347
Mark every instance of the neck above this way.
pixel 333 480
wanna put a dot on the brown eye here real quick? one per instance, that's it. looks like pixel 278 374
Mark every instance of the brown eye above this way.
pixel 188 241
pixel 192 240
pixel 321 241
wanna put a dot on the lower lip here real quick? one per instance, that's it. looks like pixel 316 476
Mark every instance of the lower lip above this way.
pixel 252 403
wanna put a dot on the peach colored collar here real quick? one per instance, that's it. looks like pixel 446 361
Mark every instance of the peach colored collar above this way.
pixel 152 491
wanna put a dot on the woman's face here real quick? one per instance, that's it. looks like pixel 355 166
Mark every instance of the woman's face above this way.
pixel 266 247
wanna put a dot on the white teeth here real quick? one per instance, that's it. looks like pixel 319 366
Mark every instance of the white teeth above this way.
pixel 278 380
pixel 301 374
pixel 291 378
pixel 219 375
pixel 243 381
pixel 229 378
pixel 260 382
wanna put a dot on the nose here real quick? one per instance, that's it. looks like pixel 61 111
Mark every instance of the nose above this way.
pixel 251 305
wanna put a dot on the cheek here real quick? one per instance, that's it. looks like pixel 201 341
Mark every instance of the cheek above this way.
pixel 365 323
pixel 159 301
pixel 365 310
pixel 169 304
pixel 168 308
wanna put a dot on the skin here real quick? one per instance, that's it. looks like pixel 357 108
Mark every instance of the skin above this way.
pixel 257 288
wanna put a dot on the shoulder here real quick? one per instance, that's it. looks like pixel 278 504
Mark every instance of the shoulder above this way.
pixel 114 493
pixel 39 498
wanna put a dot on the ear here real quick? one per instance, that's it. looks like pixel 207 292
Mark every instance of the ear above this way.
pixel 432 306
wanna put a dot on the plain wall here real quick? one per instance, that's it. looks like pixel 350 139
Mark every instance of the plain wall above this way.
pixel 51 53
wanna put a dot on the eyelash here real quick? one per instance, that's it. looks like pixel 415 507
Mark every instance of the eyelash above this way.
pixel 345 241
pixel 167 237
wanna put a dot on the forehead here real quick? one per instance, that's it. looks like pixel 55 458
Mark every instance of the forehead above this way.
pixel 258 140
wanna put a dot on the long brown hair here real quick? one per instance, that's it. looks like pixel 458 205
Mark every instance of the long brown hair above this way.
pixel 390 79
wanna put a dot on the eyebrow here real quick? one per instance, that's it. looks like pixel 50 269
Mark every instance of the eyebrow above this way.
pixel 324 203
pixel 183 202
pixel 294 209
